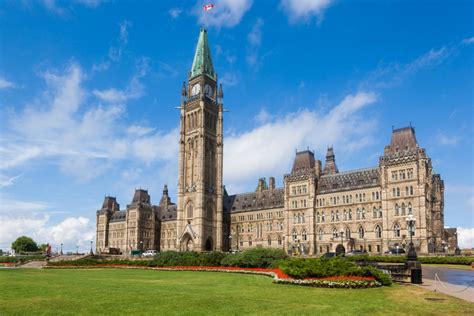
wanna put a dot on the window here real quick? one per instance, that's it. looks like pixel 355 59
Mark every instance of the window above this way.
pixel 320 234
pixel 293 190
pixel 304 189
pixel 250 240
pixel 345 215
pixel 348 233
pixel 269 240
pixel 377 195
pixel 410 209
pixel 295 235
pixel 358 214
pixel 403 209
pixel 406 190
pixel 394 176
pixel 378 232
pixel 374 213
pixel 305 236
pixel 361 232
pixel 394 192
pixel 295 218
pixel 322 217
pixel 279 240
pixel 299 218
pixel 411 190
pixel 350 214
pixel 318 217
pixel 397 210
pixel 396 230
pixel 332 216
pixel 398 191
pixel 334 233
pixel 378 248
pixel 189 212
pixel 380 212
pixel 363 213
pixel 337 216
pixel 302 218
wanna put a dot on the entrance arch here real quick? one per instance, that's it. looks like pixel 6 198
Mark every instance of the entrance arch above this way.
pixel 187 243
pixel 208 246
pixel 340 250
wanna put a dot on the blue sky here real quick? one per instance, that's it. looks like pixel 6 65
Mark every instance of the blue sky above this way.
pixel 88 91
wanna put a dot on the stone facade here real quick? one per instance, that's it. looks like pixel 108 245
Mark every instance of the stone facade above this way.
pixel 317 209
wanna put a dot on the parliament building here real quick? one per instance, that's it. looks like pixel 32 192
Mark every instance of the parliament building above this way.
pixel 317 209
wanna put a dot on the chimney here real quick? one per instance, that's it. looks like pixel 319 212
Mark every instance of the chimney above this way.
pixel 271 183
pixel 262 185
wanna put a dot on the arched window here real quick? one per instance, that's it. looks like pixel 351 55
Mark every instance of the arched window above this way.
pixel 334 233
pixel 410 209
pixel 269 238
pixel 350 214
pixel 189 211
pixel 411 190
pixel 358 214
pixel 279 240
pixel 302 217
pixel 361 232
pixel 318 217
pixel 337 216
pixel 332 216
pixel 322 216
pixel 398 191
pixel 295 235
pixel 305 236
pixel 299 218
pixel 396 230
pixel 374 212
pixel 348 233
pixel 363 213
pixel 403 209
pixel 345 215
pixel 378 232
pixel 295 218
pixel 397 210
pixel 380 212
pixel 320 234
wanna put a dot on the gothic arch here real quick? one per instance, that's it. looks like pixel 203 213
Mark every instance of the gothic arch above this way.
pixel 209 246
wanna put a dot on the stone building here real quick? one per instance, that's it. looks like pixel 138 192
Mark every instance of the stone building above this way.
pixel 317 209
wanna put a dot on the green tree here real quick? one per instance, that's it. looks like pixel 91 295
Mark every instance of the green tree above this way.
pixel 24 244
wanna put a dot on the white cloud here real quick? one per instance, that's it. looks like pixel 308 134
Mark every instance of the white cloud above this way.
pixel 392 74
pixel 90 3
pixel 6 181
pixel 305 10
pixel 268 149
pixel 229 79
pixel 115 52
pixel 82 138
pixel 175 12
pixel 447 140
pixel 54 7
pixel 5 84
pixel 254 39
pixel 469 40
pixel 226 13
pixel 465 237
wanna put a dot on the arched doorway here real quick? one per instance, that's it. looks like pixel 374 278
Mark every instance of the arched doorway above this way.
pixel 187 243
pixel 208 246
pixel 340 250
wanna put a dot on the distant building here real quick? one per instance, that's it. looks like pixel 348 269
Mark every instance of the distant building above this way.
pixel 317 208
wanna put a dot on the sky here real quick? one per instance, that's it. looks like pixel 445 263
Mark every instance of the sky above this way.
pixel 89 89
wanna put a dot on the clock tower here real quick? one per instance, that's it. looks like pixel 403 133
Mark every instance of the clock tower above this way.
pixel 200 189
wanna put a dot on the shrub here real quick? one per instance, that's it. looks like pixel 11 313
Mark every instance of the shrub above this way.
pixel 422 259
pixel 254 258
pixel 301 268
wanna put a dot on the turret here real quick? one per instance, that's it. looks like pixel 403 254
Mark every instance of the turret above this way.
pixel 330 165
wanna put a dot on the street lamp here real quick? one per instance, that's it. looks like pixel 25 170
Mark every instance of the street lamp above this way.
pixel 411 221
pixel 141 245
pixel 61 253
pixel 91 249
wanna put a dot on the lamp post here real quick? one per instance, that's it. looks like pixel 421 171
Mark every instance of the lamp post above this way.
pixel 411 221
pixel 91 249
pixel 141 245
pixel 230 242
pixel 61 253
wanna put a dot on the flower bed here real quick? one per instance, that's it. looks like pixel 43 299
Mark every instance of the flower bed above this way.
pixel 278 275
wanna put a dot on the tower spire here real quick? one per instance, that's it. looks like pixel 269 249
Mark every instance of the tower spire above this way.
pixel 202 63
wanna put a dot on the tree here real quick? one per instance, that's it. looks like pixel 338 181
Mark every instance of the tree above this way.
pixel 24 244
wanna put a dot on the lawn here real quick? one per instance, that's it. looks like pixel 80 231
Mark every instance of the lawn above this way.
pixel 130 291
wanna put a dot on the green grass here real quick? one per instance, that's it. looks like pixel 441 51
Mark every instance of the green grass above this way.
pixel 132 291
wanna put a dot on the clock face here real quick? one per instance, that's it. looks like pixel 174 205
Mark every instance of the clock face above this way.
pixel 208 91
pixel 196 89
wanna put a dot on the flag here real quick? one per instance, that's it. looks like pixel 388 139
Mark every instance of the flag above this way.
pixel 208 7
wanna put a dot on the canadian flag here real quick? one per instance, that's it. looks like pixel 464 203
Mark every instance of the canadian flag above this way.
pixel 208 7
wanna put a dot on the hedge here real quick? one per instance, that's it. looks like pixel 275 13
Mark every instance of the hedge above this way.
pixel 20 259
pixel 255 258
pixel 402 259
pixel 302 268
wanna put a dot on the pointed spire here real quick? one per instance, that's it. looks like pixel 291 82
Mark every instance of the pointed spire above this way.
pixel 330 165
pixel 202 63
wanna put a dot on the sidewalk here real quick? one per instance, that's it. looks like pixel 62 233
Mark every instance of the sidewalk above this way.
pixel 459 291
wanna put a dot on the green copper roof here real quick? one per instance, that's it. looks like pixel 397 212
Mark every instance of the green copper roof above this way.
pixel 202 63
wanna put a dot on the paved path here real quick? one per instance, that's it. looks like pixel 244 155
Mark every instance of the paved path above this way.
pixel 33 264
pixel 454 282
